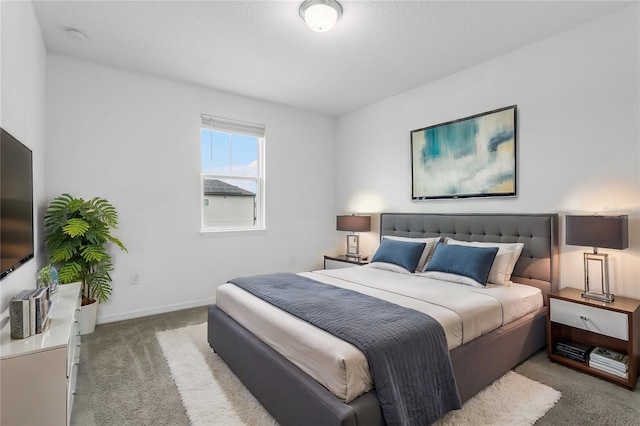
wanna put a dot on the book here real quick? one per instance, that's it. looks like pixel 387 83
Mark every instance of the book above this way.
pixel 574 347
pixel 571 355
pixel 32 311
pixel 622 368
pixel 19 315
pixel 41 306
pixel 610 357
pixel 46 324
pixel 619 367
pixel 607 369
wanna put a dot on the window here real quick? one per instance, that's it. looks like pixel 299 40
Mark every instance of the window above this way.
pixel 232 175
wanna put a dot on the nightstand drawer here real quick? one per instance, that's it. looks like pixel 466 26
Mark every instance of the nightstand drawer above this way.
pixel 602 321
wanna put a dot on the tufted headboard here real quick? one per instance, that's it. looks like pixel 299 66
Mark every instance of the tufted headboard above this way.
pixel 538 263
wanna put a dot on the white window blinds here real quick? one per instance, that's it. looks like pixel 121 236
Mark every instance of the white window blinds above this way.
pixel 228 125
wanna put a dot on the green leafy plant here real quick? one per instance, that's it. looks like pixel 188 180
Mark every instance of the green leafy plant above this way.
pixel 44 276
pixel 77 234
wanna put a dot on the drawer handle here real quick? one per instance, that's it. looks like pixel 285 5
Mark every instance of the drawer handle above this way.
pixel 583 318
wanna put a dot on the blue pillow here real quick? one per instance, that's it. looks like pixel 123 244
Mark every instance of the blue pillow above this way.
pixel 472 262
pixel 402 253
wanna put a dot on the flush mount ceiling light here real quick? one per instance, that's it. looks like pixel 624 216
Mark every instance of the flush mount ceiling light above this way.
pixel 75 34
pixel 320 15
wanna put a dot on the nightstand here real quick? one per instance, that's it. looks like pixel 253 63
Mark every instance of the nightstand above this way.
pixel 342 261
pixel 614 325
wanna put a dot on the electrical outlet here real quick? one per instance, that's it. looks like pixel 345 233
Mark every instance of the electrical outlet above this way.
pixel 292 260
pixel 135 278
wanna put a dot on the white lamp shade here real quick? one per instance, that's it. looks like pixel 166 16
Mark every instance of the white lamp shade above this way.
pixel 320 15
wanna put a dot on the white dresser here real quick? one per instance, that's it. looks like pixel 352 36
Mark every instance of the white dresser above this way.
pixel 39 373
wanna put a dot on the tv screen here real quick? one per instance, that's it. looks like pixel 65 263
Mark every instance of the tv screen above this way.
pixel 16 204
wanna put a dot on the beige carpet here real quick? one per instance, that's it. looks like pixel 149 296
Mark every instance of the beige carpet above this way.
pixel 212 395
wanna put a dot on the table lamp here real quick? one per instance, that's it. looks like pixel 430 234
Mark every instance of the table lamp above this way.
pixel 597 232
pixel 353 224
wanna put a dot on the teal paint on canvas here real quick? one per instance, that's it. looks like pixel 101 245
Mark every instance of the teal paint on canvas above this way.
pixel 456 139
pixel 466 158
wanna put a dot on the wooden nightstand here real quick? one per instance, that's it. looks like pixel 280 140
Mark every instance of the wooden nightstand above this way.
pixel 342 261
pixel 614 325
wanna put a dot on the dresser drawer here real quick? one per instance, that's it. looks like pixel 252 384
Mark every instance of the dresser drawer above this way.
pixel 597 320
pixel 73 350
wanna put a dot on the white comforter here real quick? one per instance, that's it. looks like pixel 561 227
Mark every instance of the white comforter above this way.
pixel 464 312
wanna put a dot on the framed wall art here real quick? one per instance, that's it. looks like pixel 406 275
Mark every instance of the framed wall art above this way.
pixel 470 157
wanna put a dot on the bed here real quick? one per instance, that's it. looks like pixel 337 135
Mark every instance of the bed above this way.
pixel 294 397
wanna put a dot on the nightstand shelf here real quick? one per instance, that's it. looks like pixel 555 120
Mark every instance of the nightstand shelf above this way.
pixel 342 261
pixel 613 326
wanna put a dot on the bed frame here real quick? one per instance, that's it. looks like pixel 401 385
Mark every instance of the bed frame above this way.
pixel 293 398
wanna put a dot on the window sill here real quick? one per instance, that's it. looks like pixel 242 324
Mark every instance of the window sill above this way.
pixel 232 232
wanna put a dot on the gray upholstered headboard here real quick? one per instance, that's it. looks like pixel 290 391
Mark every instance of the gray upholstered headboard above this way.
pixel 538 263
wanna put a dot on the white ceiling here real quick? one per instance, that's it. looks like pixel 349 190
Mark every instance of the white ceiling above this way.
pixel 262 49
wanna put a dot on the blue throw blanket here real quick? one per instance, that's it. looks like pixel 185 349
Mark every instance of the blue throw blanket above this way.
pixel 406 350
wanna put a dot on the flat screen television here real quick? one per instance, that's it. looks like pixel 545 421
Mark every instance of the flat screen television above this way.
pixel 16 204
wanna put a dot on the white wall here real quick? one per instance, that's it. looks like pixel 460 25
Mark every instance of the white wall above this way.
pixel 22 113
pixel 134 140
pixel 578 128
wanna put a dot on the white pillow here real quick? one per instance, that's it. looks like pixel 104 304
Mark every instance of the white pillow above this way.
pixel 429 245
pixel 505 261
pixel 391 267
pixel 445 276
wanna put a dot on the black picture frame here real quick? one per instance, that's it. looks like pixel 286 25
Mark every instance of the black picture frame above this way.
pixel 475 156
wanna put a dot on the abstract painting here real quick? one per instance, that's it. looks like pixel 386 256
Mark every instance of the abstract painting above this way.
pixel 470 157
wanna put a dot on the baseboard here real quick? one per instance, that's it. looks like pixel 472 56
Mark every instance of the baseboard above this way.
pixel 103 319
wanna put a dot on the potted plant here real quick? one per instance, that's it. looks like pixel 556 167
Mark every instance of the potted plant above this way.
pixel 48 277
pixel 77 235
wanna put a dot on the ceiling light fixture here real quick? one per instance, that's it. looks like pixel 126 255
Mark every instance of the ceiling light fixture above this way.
pixel 320 15
pixel 75 34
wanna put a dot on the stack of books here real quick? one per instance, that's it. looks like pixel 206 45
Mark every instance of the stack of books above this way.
pixel 609 361
pixel 29 312
pixel 573 350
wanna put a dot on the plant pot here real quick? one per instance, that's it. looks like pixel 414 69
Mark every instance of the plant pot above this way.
pixel 88 315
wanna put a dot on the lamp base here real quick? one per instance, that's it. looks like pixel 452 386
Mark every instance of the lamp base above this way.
pixel 601 269
pixel 353 246
pixel 603 297
pixel 355 256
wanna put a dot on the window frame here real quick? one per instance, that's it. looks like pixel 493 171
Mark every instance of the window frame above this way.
pixel 235 127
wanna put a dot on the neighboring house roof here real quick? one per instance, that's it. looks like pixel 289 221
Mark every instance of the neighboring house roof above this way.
pixel 218 187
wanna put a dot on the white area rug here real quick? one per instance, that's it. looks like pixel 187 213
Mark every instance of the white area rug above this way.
pixel 512 400
pixel 213 395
